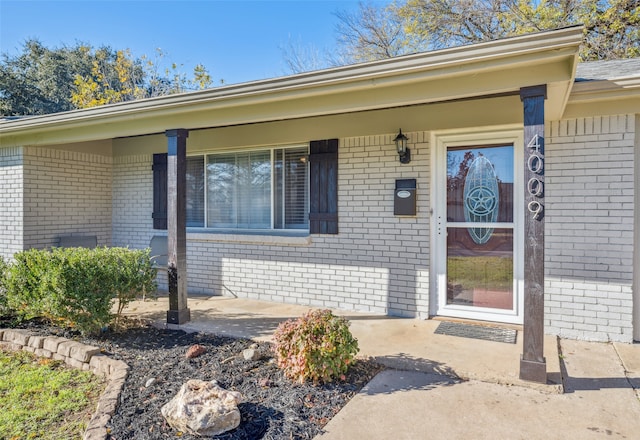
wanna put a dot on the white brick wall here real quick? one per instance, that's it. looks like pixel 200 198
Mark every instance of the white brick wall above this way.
pixel 132 202
pixel 132 205
pixel 65 193
pixel 378 262
pixel 11 201
pixel 589 228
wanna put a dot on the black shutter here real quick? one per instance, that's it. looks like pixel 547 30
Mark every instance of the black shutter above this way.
pixel 159 191
pixel 323 189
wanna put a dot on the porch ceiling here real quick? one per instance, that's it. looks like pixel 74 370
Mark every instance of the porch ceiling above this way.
pixel 475 71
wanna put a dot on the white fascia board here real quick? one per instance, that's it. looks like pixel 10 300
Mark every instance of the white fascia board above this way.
pixel 598 90
pixel 462 62
pixel 604 97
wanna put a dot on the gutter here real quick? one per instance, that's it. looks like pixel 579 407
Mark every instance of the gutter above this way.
pixel 445 63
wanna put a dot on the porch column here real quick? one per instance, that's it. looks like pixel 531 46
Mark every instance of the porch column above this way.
pixel 178 312
pixel 533 366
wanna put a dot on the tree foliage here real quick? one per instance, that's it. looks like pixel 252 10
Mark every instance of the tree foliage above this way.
pixel 40 80
pixel 43 80
pixel 114 77
pixel 378 31
pixel 612 27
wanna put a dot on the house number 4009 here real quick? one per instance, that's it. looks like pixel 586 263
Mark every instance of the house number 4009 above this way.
pixel 535 186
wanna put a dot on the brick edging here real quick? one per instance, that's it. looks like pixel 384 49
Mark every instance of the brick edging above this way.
pixel 79 356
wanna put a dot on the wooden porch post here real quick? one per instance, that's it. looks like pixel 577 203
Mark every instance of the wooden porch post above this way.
pixel 178 312
pixel 533 366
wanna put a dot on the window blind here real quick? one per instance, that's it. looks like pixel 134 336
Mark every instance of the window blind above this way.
pixel 259 189
pixel 195 191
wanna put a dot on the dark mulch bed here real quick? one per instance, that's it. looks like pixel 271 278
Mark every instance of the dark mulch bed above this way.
pixel 273 406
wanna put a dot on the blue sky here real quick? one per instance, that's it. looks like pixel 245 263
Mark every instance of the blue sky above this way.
pixel 237 41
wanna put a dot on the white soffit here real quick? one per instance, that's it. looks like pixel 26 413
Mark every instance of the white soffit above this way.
pixel 484 69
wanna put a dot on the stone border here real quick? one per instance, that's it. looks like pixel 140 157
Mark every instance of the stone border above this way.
pixel 80 356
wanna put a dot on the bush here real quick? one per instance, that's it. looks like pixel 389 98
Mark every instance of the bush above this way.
pixel 27 282
pixel 317 346
pixel 133 275
pixel 4 267
pixel 77 286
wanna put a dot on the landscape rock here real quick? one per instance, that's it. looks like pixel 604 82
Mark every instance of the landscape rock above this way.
pixel 150 382
pixel 250 354
pixel 203 408
pixel 195 351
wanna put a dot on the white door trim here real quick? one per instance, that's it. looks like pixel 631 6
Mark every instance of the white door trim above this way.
pixel 440 141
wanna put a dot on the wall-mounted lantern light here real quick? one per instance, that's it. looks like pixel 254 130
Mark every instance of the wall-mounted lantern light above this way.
pixel 401 147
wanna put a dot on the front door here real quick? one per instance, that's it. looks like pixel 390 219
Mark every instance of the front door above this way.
pixel 478 248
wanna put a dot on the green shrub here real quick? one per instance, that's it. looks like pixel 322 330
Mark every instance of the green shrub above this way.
pixel 4 267
pixel 77 286
pixel 133 274
pixel 317 346
pixel 29 279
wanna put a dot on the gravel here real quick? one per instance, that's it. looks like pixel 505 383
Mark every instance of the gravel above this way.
pixel 273 406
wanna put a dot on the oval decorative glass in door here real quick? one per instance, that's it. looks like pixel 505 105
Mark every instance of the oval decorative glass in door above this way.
pixel 481 198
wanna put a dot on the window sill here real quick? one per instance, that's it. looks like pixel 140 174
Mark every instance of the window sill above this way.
pixel 276 239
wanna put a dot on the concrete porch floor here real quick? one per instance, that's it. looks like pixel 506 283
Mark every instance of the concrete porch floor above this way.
pixel 419 398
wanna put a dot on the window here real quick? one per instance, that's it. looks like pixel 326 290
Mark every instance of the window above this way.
pixel 259 189
pixel 195 191
pixel 281 188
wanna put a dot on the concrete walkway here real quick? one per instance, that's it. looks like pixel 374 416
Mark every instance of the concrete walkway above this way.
pixel 452 387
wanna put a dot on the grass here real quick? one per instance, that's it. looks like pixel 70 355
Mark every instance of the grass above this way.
pixel 44 399
pixel 494 273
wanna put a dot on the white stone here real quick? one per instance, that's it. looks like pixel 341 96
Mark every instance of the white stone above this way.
pixel 203 408
pixel 250 354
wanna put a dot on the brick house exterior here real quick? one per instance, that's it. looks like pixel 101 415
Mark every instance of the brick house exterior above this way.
pixel 94 177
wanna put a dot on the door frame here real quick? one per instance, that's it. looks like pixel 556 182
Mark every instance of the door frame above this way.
pixel 440 141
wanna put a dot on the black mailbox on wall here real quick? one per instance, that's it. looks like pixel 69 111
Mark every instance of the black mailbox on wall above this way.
pixel 404 198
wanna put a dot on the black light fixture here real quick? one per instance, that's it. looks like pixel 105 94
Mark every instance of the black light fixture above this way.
pixel 401 148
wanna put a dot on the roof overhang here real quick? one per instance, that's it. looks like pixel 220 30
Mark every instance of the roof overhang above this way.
pixel 469 72
pixel 604 97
